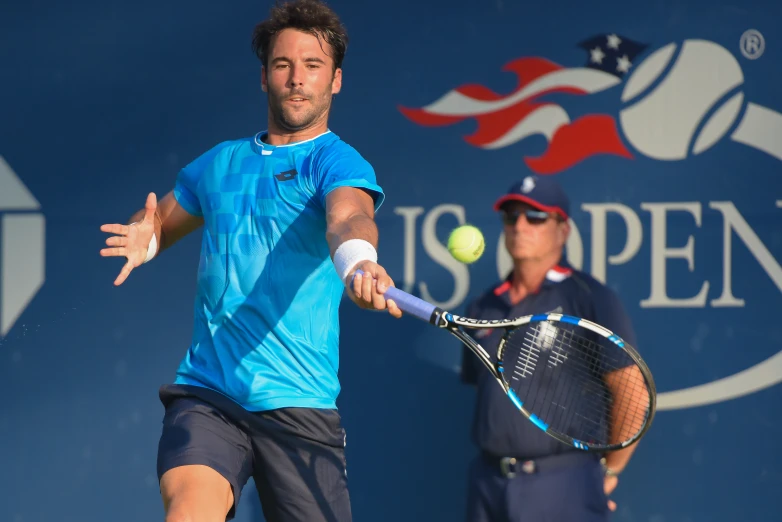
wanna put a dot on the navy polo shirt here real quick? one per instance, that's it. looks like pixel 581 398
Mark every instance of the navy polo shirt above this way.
pixel 498 427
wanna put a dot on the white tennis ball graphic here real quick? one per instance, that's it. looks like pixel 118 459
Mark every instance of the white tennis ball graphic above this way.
pixel 662 123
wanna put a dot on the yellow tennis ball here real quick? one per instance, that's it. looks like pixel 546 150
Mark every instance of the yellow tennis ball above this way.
pixel 466 244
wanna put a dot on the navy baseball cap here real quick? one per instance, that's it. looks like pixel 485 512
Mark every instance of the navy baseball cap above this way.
pixel 540 192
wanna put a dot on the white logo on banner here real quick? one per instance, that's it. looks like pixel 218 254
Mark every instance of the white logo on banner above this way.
pixel 694 76
pixel 22 246
pixel 675 107
pixel 663 122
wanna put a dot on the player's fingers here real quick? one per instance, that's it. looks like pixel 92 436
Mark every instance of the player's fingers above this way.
pixel 120 241
pixel 150 207
pixel 384 283
pixel 383 280
pixel 393 309
pixel 367 285
pixel 612 505
pixel 356 285
pixel 378 301
pixel 123 275
pixel 112 252
pixel 115 228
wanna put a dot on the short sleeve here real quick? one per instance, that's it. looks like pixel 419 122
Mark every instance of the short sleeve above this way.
pixel 186 189
pixel 342 166
pixel 470 365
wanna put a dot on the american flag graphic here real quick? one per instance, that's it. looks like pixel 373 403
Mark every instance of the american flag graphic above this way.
pixel 506 119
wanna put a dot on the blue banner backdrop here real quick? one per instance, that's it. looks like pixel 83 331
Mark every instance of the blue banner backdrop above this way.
pixel 663 121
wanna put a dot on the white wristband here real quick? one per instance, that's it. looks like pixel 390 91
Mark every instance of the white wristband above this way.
pixel 152 248
pixel 350 253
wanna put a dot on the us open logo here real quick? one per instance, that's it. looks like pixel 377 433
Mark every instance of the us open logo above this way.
pixel 22 247
pixel 682 100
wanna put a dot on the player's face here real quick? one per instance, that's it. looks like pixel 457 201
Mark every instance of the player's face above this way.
pixel 537 236
pixel 300 80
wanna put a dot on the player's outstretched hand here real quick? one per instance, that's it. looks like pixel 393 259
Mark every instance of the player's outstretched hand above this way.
pixel 131 241
pixel 368 289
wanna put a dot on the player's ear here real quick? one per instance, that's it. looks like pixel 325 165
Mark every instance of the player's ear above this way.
pixel 264 85
pixel 336 83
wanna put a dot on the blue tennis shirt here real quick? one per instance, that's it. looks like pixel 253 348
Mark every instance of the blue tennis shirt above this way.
pixel 266 328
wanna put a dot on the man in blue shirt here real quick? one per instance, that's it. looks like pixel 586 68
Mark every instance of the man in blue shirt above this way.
pixel 522 474
pixel 288 217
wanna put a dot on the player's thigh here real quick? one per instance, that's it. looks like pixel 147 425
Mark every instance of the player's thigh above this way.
pixel 300 470
pixel 195 493
pixel 204 461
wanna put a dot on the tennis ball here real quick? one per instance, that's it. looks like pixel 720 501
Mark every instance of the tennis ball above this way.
pixel 466 244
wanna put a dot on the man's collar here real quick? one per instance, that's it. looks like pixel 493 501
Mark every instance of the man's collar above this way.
pixel 556 274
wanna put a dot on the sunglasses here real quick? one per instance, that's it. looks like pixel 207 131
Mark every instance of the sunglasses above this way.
pixel 534 217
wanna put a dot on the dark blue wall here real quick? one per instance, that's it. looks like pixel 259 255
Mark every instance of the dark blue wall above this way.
pixel 102 102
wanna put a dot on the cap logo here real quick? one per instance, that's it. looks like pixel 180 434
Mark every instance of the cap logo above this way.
pixel 528 184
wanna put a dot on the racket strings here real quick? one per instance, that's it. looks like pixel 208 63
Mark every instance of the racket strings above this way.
pixel 528 358
pixel 594 409
pixel 627 400
pixel 577 382
pixel 548 405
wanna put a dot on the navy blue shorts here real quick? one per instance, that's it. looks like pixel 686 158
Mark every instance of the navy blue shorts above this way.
pixel 296 456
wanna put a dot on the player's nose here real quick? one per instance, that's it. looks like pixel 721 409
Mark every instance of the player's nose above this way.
pixel 296 76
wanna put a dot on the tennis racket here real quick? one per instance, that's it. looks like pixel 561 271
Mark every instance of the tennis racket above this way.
pixel 574 379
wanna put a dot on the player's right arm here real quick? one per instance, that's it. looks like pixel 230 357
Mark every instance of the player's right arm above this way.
pixel 159 224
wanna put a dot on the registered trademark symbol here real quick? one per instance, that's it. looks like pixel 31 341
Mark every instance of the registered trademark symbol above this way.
pixel 752 44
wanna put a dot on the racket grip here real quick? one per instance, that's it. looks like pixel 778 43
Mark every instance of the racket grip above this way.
pixel 409 304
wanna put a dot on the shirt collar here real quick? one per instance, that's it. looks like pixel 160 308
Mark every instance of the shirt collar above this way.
pixel 555 275
pixel 265 149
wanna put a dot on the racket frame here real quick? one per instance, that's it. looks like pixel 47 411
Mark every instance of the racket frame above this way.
pixel 456 324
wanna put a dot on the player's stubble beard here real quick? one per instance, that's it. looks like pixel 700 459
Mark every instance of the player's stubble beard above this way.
pixel 290 120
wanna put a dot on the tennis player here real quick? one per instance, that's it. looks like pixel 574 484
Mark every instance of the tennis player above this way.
pixel 288 216
pixel 521 473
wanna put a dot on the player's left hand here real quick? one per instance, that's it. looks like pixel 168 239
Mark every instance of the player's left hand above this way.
pixel 368 289
pixel 609 485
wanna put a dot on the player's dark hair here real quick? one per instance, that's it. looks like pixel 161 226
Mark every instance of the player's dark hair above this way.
pixel 308 16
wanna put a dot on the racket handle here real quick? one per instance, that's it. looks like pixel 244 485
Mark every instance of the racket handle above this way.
pixel 409 304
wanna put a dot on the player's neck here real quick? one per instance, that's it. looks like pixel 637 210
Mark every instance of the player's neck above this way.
pixel 528 275
pixel 277 136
